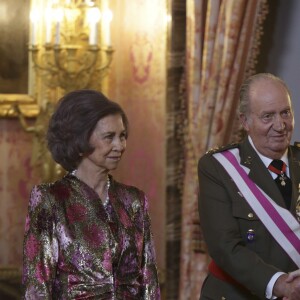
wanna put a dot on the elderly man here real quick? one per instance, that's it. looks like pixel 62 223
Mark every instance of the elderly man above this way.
pixel 248 201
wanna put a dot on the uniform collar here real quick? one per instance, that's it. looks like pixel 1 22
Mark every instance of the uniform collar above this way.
pixel 266 160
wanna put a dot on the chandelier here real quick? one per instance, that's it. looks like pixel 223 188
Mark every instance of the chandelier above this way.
pixel 70 43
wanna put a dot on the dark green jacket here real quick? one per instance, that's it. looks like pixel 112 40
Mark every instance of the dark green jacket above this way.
pixel 226 217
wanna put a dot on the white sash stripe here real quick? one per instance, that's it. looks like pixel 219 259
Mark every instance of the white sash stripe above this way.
pixel 284 228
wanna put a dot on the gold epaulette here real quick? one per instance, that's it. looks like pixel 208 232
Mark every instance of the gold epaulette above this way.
pixel 221 148
pixel 297 144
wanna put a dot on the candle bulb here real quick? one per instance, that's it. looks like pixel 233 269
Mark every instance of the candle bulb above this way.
pixel 33 18
pixel 48 32
pixel 107 34
pixel 59 16
pixel 33 37
pixel 93 17
pixel 57 33
pixel 93 33
pixel 48 26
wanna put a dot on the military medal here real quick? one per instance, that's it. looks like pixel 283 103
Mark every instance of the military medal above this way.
pixel 282 177
pixel 250 235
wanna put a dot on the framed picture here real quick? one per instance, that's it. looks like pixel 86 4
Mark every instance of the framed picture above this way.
pixel 15 79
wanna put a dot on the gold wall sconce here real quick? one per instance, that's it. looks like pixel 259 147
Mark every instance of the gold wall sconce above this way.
pixel 69 48
pixel 74 50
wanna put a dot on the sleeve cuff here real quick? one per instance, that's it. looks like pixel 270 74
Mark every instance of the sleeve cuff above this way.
pixel 269 289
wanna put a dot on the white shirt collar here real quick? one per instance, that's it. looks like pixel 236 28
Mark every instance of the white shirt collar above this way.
pixel 267 160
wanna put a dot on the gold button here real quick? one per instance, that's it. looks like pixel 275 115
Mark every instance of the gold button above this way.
pixel 250 215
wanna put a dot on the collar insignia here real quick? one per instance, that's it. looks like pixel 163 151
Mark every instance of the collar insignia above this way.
pixel 248 160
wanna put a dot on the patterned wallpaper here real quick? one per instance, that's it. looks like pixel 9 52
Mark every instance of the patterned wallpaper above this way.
pixel 16 180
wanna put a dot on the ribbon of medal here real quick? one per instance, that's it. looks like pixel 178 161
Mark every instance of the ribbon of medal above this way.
pixel 281 173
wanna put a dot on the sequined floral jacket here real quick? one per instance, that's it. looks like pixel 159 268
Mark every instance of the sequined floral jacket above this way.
pixel 75 248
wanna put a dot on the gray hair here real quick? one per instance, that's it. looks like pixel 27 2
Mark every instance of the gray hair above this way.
pixel 246 86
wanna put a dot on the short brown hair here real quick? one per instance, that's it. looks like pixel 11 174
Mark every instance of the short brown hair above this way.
pixel 73 122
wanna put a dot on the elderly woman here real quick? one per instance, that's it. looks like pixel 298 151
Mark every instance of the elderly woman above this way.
pixel 88 236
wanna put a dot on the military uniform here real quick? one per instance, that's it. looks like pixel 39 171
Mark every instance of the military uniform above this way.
pixel 237 240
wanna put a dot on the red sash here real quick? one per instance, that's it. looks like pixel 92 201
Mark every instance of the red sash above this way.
pixel 216 271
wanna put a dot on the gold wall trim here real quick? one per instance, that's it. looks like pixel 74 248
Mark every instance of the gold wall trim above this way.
pixel 27 104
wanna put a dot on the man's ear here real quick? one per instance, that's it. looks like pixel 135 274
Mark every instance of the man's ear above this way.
pixel 244 122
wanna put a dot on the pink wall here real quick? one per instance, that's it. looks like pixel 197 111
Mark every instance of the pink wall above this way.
pixel 138 83
pixel 16 180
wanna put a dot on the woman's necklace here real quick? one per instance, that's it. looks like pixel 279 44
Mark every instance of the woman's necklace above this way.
pixel 107 187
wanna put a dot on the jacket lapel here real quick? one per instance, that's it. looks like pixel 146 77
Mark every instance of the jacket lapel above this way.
pixel 259 174
pixel 294 165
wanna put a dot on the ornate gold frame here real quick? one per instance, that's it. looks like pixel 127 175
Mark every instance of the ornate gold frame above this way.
pixel 27 104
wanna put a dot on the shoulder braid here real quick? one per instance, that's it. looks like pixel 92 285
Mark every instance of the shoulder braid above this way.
pixel 222 148
pixel 297 144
